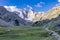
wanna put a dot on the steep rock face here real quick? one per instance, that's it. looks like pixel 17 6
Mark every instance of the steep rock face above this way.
pixel 11 17
pixel 38 16
pixel 29 15
pixel 34 16
pixel 53 13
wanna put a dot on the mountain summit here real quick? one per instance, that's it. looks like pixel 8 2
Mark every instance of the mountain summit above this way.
pixel 24 14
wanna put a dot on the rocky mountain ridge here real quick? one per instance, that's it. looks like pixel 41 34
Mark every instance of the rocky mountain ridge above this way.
pixel 11 18
pixel 17 17
pixel 24 14
pixel 52 13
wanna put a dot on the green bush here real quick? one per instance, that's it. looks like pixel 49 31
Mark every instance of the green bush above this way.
pixel 58 31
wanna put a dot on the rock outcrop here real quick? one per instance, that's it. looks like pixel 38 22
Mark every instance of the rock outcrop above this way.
pixel 11 18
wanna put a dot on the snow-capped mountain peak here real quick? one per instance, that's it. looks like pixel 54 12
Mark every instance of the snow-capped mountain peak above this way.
pixel 24 14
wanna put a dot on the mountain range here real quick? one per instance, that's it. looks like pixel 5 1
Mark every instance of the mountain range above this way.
pixel 10 15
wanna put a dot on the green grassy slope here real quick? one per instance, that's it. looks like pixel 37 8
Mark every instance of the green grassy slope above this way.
pixel 25 33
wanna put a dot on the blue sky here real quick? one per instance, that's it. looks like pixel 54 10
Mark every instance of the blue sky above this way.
pixel 37 5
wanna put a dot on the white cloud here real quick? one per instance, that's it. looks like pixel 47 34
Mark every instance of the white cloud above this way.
pixel 29 6
pixel 39 4
pixel 58 4
pixel 12 8
pixel 42 3
pixel 58 0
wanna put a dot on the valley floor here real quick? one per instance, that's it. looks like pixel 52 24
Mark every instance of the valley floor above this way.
pixel 25 33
